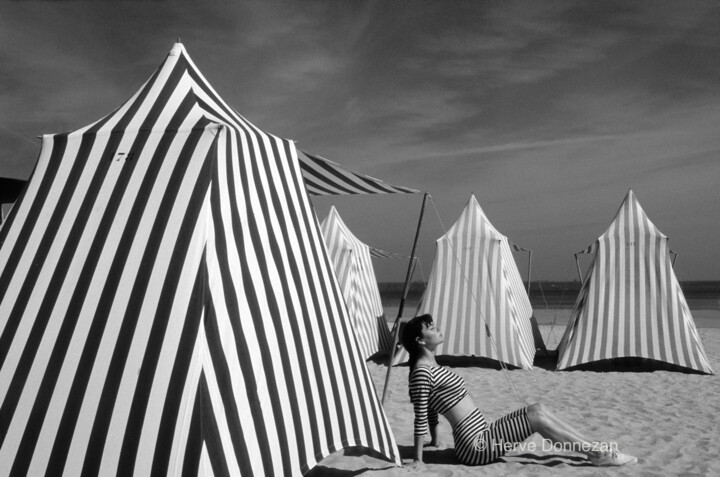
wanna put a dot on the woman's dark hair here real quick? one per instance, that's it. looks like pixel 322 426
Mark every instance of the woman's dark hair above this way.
pixel 411 332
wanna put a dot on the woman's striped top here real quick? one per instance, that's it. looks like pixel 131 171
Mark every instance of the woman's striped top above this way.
pixel 433 390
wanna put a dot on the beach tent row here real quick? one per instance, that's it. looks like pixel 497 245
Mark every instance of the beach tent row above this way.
pixel 167 303
pixel 356 275
pixel 631 304
pixel 476 295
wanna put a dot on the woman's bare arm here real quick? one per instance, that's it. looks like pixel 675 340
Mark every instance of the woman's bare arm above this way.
pixel 419 442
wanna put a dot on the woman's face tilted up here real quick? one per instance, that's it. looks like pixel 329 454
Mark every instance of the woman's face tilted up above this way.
pixel 431 336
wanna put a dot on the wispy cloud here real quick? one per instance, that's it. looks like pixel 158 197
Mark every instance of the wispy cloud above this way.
pixel 548 111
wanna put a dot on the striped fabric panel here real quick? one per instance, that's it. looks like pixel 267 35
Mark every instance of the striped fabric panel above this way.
pixel 377 253
pixel 475 288
pixel 356 275
pixel 167 305
pixel 631 304
pixel 325 177
pixel 517 302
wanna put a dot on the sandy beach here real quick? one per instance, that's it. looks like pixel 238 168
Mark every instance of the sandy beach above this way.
pixel 669 420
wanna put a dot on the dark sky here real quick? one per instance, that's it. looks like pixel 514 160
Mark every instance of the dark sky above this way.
pixel 547 111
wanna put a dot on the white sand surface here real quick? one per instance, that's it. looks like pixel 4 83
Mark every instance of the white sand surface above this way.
pixel 669 420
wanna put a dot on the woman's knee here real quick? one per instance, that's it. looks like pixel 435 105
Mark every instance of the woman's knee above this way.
pixel 536 408
pixel 538 416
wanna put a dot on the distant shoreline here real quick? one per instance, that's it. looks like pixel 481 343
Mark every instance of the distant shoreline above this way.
pixel 555 317
pixel 552 302
pixel 700 295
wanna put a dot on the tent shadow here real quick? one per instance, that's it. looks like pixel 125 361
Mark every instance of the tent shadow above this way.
pixel 323 470
pixel 431 455
pixel 471 362
pixel 382 358
pixel 550 460
pixel 546 359
pixel 447 457
pixel 631 365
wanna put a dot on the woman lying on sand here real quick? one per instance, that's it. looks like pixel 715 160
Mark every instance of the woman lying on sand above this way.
pixel 434 389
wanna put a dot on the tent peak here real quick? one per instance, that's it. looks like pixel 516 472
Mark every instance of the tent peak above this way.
pixel 177 48
pixel 473 203
pixel 333 212
pixel 630 198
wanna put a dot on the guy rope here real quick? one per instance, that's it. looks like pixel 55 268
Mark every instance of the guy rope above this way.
pixel 396 327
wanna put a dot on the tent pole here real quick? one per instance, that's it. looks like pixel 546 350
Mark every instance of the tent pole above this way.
pixel 411 265
pixel 577 264
pixel 406 288
pixel 529 269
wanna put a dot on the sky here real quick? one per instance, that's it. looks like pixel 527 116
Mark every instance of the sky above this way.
pixel 548 112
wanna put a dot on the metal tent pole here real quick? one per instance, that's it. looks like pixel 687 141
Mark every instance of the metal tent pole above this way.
pixel 406 288
pixel 529 269
pixel 577 264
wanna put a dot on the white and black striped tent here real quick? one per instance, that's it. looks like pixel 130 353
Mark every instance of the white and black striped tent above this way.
pixel 325 177
pixel 631 304
pixel 356 274
pixel 167 304
pixel 475 293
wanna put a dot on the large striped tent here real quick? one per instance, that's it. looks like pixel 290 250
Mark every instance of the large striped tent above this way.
pixel 476 295
pixel 355 272
pixel 631 304
pixel 168 306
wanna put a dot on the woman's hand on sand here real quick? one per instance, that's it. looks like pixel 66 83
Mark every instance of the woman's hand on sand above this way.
pixel 415 465
pixel 433 443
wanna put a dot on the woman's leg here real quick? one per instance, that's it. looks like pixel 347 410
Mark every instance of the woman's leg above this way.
pixel 550 427
pixel 476 443
pixel 558 431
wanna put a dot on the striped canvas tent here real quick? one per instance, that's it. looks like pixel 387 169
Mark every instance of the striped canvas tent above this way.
pixel 355 272
pixel 631 304
pixel 167 304
pixel 476 295
pixel 325 177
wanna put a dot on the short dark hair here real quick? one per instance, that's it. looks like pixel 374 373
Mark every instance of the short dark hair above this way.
pixel 410 333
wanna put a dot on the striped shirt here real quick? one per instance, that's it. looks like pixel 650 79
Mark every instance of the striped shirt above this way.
pixel 433 390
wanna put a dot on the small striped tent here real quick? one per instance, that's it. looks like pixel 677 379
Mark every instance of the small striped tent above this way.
pixel 355 272
pixel 631 304
pixel 476 295
pixel 168 306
